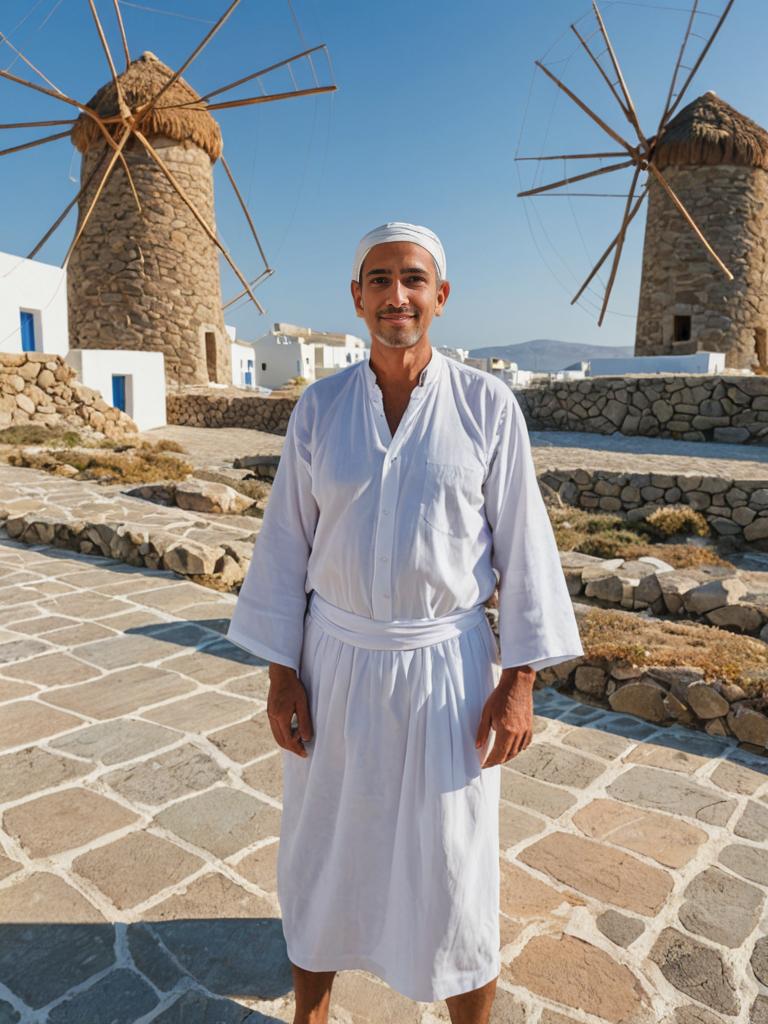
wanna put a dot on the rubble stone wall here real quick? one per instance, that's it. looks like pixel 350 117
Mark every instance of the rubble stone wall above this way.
pixel 730 409
pixel 149 280
pixel 39 388
pixel 228 407
pixel 735 508
pixel 730 205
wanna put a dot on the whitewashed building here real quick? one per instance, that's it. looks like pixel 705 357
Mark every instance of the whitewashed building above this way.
pixel 33 306
pixel 288 351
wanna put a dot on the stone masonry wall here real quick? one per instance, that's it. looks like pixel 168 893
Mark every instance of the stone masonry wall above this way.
pixel 733 508
pixel 228 407
pixel 730 205
pixel 149 280
pixel 732 409
pixel 40 388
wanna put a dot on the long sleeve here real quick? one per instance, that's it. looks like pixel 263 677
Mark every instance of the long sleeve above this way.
pixel 537 625
pixel 268 620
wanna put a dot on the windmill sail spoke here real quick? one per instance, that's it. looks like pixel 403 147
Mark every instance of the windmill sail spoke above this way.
pixel 57 95
pixel 689 219
pixel 123 36
pixel 195 53
pixel 629 108
pixel 570 156
pixel 253 284
pixel 97 194
pixel 600 68
pixel 678 65
pixel 108 55
pixel 198 217
pixel 37 142
pixel 619 247
pixel 264 71
pixel 697 63
pixel 36 124
pixel 244 208
pixel 590 113
pixel 4 39
pixel 611 247
pixel 577 177
pixel 270 98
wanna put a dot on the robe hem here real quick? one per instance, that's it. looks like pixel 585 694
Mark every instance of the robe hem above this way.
pixel 454 985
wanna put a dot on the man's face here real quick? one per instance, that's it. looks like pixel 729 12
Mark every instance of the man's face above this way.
pixel 398 293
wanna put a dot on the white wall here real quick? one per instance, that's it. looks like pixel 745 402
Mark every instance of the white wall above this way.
pixel 242 355
pixel 284 358
pixel 697 362
pixel 40 289
pixel 145 380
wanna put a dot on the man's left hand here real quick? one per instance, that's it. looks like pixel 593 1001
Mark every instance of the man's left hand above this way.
pixel 508 710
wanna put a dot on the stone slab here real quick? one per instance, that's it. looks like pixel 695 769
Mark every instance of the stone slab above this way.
pixel 533 795
pixel 221 821
pixel 266 775
pixel 516 825
pixel 260 867
pixel 526 898
pixel 665 757
pixel 621 929
pixel 113 868
pixel 120 997
pixel 557 765
pixel 721 908
pixel 202 712
pixel 165 777
pixel 736 778
pixel 599 871
pixel 696 970
pixel 122 739
pixel 668 841
pixel 52 670
pixel 599 744
pixel 246 740
pixel 32 769
pixel 25 721
pixel 64 820
pixel 119 693
pixel 666 791
pixel 753 823
pixel 747 861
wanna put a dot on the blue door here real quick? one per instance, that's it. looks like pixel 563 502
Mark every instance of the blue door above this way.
pixel 27 331
pixel 118 391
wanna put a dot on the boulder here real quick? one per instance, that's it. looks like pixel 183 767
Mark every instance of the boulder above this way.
pixel 706 701
pixel 749 726
pixel 204 496
pixel 590 679
pixel 674 585
pixel 744 618
pixel 715 594
pixel 644 698
pixel 189 558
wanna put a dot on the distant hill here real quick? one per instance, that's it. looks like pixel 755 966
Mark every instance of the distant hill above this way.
pixel 546 355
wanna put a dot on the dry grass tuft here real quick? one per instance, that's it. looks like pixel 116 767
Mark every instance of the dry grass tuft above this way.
pixel 37 433
pixel 669 520
pixel 135 466
pixel 610 536
pixel 616 636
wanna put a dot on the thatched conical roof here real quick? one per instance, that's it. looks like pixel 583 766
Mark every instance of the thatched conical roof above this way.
pixel 711 131
pixel 143 79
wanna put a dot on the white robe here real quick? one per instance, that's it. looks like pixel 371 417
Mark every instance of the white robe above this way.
pixel 388 857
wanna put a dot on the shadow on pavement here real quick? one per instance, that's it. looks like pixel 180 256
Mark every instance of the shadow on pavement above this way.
pixel 195 965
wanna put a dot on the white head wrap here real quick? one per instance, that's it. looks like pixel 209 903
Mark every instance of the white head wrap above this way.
pixel 399 231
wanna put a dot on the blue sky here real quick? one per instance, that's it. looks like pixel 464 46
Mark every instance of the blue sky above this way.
pixel 434 102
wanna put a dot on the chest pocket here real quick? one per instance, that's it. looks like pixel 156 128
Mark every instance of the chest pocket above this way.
pixel 452 499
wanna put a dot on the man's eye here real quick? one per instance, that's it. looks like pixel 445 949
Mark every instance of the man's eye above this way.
pixel 378 280
pixel 416 279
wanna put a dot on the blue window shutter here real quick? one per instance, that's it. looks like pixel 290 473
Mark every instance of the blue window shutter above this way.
pixel 27 331
pixel 118 391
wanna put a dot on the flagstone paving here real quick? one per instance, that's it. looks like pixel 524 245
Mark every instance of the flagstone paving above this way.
pixel 140 795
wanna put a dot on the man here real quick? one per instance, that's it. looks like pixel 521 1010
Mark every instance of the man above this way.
pixel 405 492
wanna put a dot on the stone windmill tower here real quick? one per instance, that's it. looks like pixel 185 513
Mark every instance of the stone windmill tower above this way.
pixel 144 274
pixel 716 160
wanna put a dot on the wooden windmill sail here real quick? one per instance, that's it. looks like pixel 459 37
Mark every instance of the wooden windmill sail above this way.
pixel 124 117
pixel 643 153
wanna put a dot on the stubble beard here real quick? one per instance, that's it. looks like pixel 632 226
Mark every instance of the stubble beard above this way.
pixel 398 337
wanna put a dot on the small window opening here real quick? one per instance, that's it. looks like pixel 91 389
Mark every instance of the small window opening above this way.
pixel 682 328
pixel 263 366
pixel 761 347
pixel 119 397
pixel 28 334
pixel 211 356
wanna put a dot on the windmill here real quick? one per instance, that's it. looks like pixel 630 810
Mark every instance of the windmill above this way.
pixel 642 154
pixel 143 262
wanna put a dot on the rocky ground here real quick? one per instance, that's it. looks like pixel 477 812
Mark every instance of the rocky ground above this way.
pixel 140 819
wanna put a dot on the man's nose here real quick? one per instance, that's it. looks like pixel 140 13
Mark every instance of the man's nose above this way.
pixel 398 294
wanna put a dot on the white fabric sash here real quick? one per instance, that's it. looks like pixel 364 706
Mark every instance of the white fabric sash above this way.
pixel 399 635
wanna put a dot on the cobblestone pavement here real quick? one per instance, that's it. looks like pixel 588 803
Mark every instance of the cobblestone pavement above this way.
pixel 140 806
pixel 210 448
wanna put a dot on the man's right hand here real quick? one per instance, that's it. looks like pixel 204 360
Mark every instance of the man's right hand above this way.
pixel 287 697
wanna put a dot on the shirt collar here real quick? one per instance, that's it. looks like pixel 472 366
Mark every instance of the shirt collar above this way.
pixel 427 376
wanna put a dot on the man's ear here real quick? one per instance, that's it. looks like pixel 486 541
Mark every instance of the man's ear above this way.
pixel 442 297
pixel 357 297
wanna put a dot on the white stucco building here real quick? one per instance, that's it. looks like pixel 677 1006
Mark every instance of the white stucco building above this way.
pixel 33 306
pixel 129 380
pixel 288 351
